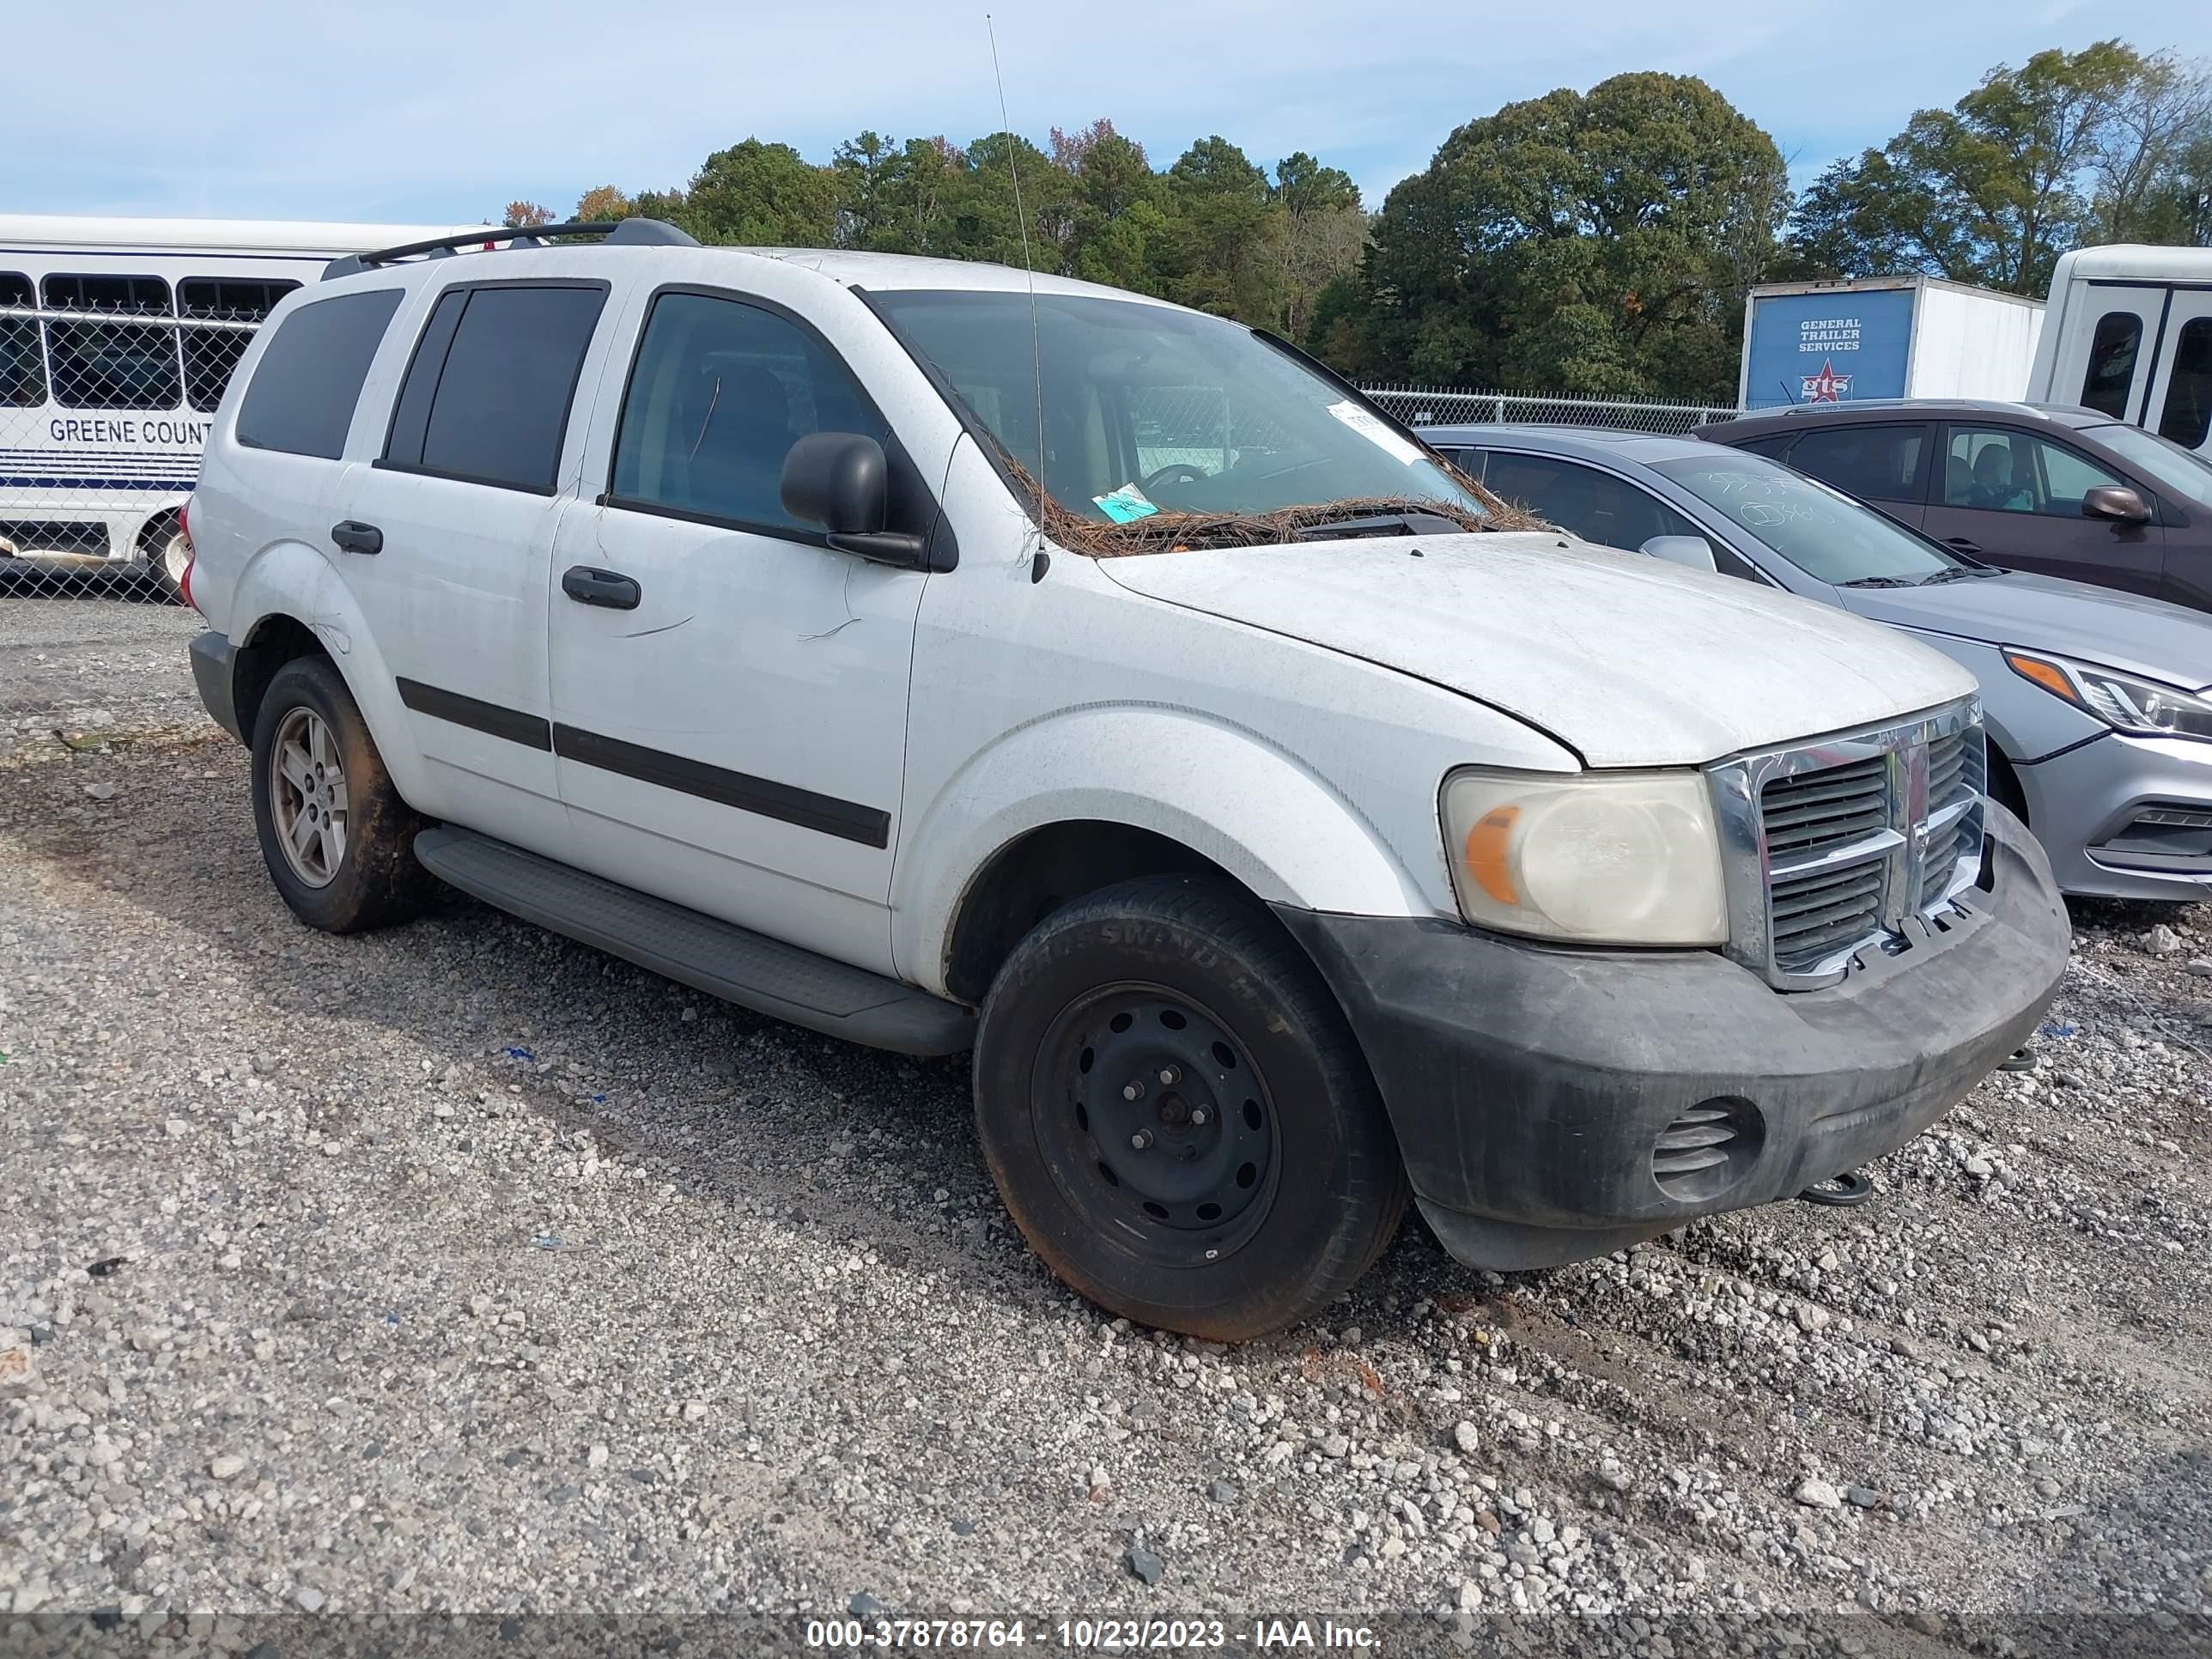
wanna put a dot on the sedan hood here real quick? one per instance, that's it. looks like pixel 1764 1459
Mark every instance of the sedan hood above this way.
pixel 2125 631
pixel 1626 660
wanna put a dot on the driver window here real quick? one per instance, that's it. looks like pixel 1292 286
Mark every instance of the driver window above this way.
pixel 1989 470
pixel 1996 470
pixel 720 392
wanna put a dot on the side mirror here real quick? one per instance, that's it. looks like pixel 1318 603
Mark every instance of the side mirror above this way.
pixel 2116 502
pixel 1694 552
pixel 841 481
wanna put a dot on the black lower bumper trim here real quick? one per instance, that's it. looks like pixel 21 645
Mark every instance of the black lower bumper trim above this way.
pixel 1555 1104
pixel 215 664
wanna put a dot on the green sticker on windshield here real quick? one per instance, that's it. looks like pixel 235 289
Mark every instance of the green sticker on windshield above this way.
pixel 1125 504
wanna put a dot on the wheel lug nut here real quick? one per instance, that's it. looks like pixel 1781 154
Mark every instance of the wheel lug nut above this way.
pixel 1198 1114
pixel 1132 1092
pixel 1141 1139
pixel 1170 1076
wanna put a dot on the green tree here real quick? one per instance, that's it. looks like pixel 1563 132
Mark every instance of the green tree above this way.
pixel 1214 251
pixel 2069 147
pixel 1318 234
pixel 1595 243
pixel 760 195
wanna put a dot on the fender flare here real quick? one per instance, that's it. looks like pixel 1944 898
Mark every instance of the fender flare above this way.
pixel 1222 791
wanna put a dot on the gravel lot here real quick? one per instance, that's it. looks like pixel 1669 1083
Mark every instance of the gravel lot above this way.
pixel 460 1267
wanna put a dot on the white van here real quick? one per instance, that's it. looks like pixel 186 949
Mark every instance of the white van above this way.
pixel 2128 331
pixel 117 337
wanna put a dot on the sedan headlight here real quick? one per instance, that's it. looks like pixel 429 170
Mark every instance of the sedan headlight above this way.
pixel 1599 858
pixel 2142 708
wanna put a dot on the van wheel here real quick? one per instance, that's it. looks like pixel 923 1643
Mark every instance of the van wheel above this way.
pixel 1177 1116
pixel 338 841
pixel 167 554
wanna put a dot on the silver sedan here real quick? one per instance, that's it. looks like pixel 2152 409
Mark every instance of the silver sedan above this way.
pixel 2099 713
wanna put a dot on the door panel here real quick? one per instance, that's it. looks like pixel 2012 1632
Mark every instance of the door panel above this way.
pixel 735 740
pixel 447 541
pixel 2009 496
pixel 2106 365
pixel 2181 404
pixel 456 596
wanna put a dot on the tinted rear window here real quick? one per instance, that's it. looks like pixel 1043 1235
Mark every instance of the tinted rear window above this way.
pixel 503 386
pixel 302 397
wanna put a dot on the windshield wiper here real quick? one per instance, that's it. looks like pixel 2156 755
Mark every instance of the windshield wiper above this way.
pixel 1878 582
pixel 1957 573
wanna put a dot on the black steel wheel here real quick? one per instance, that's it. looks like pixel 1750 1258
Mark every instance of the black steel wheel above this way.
pixel 1177 1114
pixel 1163 1132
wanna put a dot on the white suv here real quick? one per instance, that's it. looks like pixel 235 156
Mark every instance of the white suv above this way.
pixel 943 660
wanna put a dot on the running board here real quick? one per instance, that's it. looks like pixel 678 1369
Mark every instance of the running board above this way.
pixel 748 968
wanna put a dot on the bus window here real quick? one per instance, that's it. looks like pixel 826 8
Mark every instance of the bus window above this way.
pixel 118 365
pixel 2112 368
pixel 2188 414
pixel 22 370
pixel 211 353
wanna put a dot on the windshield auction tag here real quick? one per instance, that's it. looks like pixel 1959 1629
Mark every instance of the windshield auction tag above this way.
pixel 1125 504
pixel 1364 424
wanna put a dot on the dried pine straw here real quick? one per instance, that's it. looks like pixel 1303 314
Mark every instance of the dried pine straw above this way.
pixel 1178 532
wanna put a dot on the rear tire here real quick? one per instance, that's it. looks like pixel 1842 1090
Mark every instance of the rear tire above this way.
pixel 1177 1114
pixel 338 841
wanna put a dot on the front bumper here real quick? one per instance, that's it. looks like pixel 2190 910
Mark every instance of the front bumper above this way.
pixel 1529 1086
pixel 215 663
pixel 2087 805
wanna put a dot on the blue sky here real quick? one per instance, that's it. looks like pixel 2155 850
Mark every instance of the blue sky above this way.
pixel 419 112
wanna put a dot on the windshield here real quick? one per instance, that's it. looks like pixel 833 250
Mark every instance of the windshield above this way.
pixel 1822 531
pixel 2176 471
pixel 1150 410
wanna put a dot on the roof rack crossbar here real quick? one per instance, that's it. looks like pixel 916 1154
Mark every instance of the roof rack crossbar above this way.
pixel 626 233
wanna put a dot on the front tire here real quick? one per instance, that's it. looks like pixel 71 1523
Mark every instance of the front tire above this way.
pixel 1177 1116
pixel 337 838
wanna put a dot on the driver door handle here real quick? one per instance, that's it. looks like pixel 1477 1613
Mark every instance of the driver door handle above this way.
pixel 352 536
pixel 609 588
pixel 1964 544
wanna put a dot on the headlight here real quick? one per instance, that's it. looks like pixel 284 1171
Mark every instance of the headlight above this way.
pixel 1610 858
pixel 2143 707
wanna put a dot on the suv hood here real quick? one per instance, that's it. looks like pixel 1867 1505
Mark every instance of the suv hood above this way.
pixel 2126 631
pixel 1626 660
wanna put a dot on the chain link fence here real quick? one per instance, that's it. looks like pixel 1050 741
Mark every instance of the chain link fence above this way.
pixel 106 388
pixel 1431 405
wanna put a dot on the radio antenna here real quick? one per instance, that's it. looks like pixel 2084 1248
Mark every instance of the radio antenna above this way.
pixel 1029 266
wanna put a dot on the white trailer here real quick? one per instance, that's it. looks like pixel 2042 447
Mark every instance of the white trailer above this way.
pixel 1884 336
pixel 2130 335
pixel 117 338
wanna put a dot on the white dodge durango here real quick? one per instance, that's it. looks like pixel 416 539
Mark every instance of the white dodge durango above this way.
pixel 945 658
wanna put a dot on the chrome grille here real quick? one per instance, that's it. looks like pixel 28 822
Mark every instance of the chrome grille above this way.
pixel 1835 845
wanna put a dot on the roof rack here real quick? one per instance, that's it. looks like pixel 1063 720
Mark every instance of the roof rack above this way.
pixel 656 233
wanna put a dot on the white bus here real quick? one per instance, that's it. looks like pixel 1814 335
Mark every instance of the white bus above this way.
pixel 2128 331
pixel 117 337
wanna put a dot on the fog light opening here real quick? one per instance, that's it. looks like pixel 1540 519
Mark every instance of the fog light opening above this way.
pixel 1708 1149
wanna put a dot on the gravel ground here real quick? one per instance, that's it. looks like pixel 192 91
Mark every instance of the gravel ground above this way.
pixel 460 1267
pixel 90 665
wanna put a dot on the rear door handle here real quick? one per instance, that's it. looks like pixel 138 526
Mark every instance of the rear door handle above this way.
pixel 354 536
pixel 605 588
